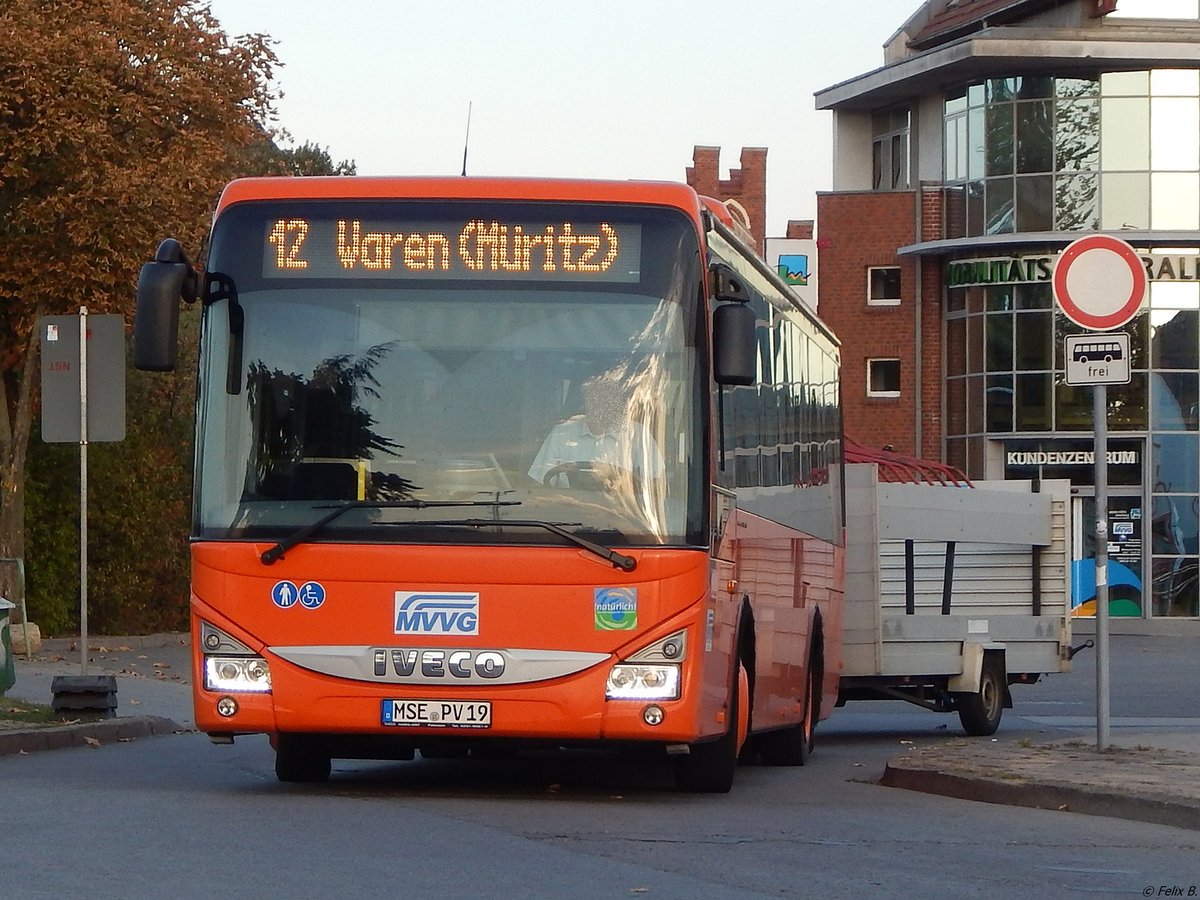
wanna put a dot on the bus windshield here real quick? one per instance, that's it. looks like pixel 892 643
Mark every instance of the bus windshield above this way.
pixel 538 361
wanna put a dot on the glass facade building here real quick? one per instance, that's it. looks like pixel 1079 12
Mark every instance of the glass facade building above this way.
pixel 1113 152
pixel 1015 155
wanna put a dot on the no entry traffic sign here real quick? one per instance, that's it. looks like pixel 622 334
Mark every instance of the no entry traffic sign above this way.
pixel 1099 282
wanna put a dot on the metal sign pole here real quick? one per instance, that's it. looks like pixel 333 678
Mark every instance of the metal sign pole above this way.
pixel 1100 423
pixel 83 496
pixel 1099 283
pixel 95 694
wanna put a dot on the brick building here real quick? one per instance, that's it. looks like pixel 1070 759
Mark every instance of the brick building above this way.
pixel 747 186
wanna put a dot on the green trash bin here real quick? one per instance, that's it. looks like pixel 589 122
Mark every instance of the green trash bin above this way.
pixel 8 673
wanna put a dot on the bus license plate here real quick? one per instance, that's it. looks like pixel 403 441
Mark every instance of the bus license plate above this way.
pixel 438 713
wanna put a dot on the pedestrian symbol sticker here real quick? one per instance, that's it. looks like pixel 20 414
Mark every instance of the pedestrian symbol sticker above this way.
pixel 312 594
pixel 284 594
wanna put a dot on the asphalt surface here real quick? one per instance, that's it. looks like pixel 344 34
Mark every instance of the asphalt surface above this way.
pixel 1148 773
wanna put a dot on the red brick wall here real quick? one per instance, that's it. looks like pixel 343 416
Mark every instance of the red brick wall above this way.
pixel 933 374
pixel 799 229
pixel 854 232
pixel 747 185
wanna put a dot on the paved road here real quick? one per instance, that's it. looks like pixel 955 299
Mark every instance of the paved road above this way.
pixel 1043 755
pixel 175 816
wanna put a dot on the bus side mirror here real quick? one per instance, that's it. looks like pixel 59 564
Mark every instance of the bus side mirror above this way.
pixel 734 349
pixel 161 285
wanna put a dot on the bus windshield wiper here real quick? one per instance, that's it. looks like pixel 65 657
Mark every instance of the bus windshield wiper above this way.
pixel 619 560
pixel 272 554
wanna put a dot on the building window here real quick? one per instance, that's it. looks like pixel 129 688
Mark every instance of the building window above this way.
pixel 889 150
pixel 1037 153
pixel 883 286
pixel 1005 365
pixel 883 378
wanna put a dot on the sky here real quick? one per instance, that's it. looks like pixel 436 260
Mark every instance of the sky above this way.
pixel 614 89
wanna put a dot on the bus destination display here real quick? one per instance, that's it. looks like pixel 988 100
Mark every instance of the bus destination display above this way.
pixel 475 249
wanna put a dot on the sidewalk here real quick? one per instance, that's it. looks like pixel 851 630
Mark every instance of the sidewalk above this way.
pixel 153 690
pixel 1151 771
pixel 1145 776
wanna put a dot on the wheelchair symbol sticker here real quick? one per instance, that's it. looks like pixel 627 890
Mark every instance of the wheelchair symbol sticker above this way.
pixel 312 594
pixel 284 594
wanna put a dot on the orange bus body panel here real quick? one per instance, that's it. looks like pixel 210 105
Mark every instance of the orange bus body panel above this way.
pixel 653 193
pixel 232 590
pixel 793 579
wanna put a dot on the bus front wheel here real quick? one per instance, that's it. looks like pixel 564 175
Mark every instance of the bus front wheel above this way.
pixel 708 768
pixel 299 761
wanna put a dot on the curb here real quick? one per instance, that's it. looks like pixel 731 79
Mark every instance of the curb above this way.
pixel 109 642
pixel 87 734
pixel 1037 795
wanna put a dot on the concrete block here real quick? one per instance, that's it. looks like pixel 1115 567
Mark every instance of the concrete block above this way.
pixel 17 636
pixel 95 695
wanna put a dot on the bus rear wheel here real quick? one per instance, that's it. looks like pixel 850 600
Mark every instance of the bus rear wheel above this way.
pixel 792 746
pixel 299 761
pixel 708 768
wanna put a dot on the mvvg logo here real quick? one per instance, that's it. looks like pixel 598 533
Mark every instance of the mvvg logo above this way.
pixel 425 613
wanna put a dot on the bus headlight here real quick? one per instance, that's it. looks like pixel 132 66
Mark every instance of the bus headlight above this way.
pixel 627 681
pixel 245 674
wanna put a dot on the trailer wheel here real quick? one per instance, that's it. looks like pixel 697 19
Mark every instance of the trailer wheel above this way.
pixel 297 760
pixel 708 768
pixel 980 713
pixel 792 746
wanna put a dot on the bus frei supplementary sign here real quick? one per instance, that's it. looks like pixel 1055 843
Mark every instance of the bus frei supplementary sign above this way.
pixel 1097 358
pixel 1099 282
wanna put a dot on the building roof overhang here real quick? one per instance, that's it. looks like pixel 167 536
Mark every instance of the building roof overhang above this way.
pixel 1017 50
pixel 993 243
pixel 942 21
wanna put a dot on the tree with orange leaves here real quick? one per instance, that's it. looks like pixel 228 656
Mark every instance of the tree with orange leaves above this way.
pixel 120 120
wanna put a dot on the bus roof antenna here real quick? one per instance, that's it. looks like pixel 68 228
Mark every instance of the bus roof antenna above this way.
pixel 467 139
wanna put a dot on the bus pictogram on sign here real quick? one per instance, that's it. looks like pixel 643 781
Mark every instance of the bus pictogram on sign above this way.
pixel 1097 358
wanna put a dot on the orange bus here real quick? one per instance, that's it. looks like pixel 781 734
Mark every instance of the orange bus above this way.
pixel 493 464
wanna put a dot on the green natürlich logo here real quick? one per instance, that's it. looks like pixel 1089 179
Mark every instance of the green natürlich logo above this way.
pixel 616 609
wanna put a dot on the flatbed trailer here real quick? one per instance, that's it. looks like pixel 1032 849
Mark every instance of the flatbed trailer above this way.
pixel 954 593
